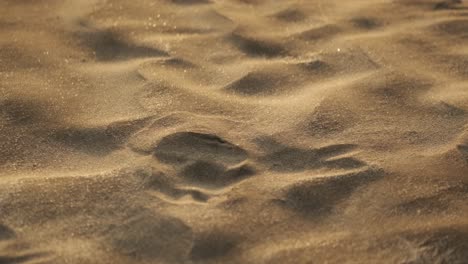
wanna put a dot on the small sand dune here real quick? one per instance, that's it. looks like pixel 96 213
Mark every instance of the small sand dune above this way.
pixel 233 131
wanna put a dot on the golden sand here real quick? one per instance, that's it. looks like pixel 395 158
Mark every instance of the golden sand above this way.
pixel 233 131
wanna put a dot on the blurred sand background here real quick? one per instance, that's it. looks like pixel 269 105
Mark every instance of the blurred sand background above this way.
pixel 240 131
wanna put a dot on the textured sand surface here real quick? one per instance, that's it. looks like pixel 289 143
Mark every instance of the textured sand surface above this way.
pixel 233 131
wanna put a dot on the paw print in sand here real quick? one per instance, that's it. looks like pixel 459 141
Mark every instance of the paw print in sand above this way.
pixel 202 164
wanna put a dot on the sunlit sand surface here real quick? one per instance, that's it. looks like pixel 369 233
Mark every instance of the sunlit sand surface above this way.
pixel 240 131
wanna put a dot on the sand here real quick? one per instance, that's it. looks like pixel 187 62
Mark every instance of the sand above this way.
pixel 233 131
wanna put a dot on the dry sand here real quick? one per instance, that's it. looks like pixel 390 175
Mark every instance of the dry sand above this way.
pixel 240 131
